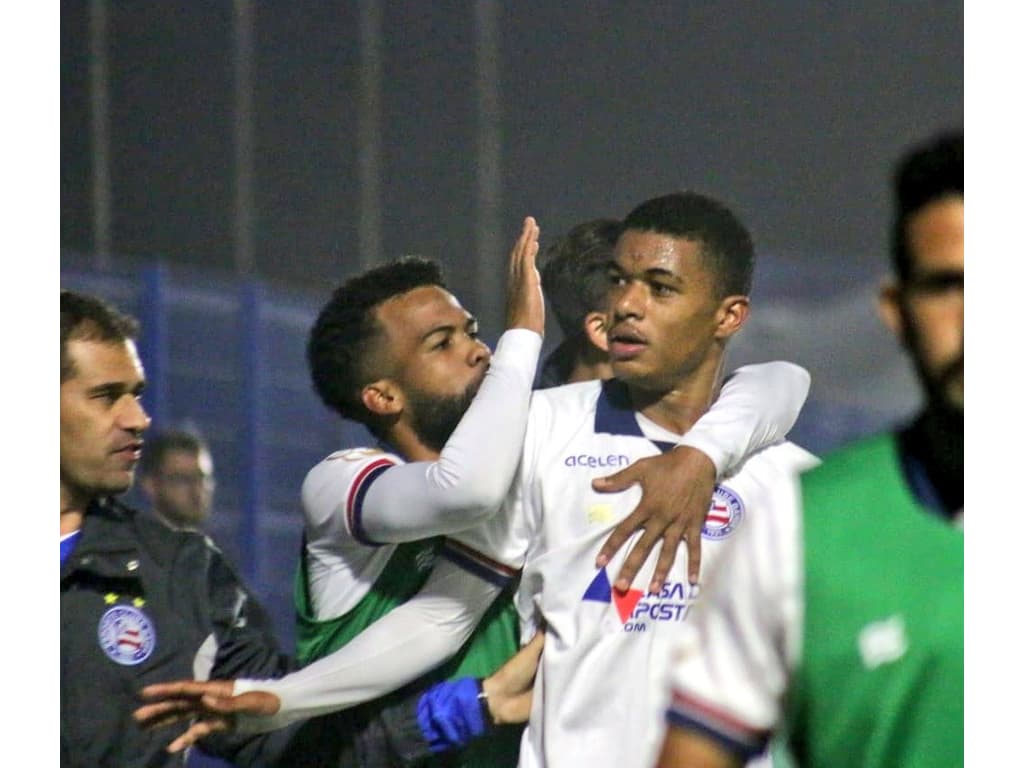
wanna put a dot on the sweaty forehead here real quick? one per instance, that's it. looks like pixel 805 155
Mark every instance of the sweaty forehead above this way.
pixel 410 316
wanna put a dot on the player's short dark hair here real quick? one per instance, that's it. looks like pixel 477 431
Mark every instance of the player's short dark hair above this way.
pixel 926 173
pixel 346 332
pixel 726 245
pixel 162 443
pixel 574 272
pixel 89 318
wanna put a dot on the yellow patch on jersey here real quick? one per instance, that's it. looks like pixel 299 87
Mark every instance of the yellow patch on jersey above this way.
pixel 599 513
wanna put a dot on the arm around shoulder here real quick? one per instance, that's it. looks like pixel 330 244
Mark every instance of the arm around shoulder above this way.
pixel 758 406
pixel 406 643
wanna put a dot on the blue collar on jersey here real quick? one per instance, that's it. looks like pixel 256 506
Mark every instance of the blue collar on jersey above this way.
pixel 615 414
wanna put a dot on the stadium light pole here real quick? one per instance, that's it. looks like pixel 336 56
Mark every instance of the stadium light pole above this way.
pixel 244 217
pixel 369 133
pixel 489 235
pixel 99 124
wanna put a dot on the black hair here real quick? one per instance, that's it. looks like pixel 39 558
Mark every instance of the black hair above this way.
pixel 726 245
pixel 575 272
pixel 159 445
pixel 347 331
pixel 926 173
pixel 88 318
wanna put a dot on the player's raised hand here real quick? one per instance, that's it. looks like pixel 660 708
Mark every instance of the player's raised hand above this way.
pixel 525 303
pixel 677 489
pixel 211 703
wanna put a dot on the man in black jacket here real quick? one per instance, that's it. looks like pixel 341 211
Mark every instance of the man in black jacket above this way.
pixel 139 603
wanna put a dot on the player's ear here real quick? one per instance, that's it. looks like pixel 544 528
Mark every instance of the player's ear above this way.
pixel 890 308
pixel 732 314
pixel 596 327
pixel 383 397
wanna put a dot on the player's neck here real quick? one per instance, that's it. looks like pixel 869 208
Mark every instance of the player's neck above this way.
pixel 678 406
pixel 587 371
pixel 676 414
pixel 409 446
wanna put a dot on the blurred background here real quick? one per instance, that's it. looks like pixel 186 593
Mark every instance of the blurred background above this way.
pixel 225 164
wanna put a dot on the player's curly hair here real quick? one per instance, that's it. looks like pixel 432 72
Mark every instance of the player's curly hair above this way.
pixel 342 340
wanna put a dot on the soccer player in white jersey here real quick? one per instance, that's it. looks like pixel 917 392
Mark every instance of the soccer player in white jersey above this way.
pixel 837 620
pixel 681 275
pixel 424 631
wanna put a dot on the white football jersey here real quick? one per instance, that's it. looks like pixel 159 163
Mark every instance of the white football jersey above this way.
pixel 359 503
pixel 600 693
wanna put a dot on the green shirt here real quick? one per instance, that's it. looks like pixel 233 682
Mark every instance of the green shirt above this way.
pixel 493 642
pixel 881 678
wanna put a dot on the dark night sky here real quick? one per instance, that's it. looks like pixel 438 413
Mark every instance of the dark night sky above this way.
pixel 792 111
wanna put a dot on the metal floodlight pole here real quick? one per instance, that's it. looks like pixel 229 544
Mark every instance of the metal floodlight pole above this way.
pixel 99 124
pixel 369 133
pixel 489 238
pixel 244 218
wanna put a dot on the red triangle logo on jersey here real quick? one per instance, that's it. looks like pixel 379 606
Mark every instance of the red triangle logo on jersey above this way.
pixel 625 602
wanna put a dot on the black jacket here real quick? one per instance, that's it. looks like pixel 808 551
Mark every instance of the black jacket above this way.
pixel 141 603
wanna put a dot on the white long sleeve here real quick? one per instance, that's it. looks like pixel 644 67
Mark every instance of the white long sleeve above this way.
pixel 472 475
pixel 408 642
pixel 757 406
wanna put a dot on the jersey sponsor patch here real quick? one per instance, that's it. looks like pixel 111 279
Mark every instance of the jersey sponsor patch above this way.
pixel 636 609
pixel 725 514
pixel 126 635
pixel 600 591
pixel 609 461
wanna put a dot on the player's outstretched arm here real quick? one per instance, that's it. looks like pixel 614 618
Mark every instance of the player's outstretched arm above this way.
pixel 406 643
pixel 757 406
